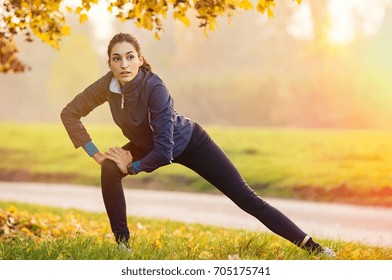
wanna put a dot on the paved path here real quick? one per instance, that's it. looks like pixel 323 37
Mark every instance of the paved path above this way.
pixel 336 221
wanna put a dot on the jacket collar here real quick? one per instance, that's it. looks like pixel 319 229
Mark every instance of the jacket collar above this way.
pixel 115 85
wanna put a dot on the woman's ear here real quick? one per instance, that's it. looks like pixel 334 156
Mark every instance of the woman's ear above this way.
pixel 141 61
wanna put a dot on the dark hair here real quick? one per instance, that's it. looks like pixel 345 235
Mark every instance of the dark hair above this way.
pixel 124 37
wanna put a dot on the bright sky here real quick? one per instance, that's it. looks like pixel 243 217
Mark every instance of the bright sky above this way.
pixel 100 18
pixel 348 17
pixel 345 12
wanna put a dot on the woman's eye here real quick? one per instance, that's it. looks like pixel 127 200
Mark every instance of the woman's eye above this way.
pixel 116 59
pixel 130 57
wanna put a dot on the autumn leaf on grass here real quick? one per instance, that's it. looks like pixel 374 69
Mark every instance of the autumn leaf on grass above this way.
pixel 205 255
pixel 158 244
pixel 234 257
pixel 156 236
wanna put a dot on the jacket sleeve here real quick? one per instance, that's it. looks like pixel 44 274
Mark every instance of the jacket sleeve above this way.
pixel 93 96
pixel 161 114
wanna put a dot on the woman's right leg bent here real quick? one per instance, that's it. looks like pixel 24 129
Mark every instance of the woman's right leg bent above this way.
pixel 113 193
pixel 113 197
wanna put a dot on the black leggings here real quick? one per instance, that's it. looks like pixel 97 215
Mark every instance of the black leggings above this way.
pixel 203 156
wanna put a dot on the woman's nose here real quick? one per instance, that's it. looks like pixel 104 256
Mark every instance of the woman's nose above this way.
pixel 124 63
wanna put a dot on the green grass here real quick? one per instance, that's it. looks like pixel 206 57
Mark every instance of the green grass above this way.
pixel 324 165
pixel 32 232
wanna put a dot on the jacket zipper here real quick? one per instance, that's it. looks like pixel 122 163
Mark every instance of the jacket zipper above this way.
pixel 122 99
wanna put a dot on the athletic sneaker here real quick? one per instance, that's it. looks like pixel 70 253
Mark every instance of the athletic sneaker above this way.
pixel 327 252
pixel 125 247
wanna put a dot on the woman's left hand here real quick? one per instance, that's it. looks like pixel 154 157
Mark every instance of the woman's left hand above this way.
pixel 121 157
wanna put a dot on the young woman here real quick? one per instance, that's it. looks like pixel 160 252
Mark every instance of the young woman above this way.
pixel 143 109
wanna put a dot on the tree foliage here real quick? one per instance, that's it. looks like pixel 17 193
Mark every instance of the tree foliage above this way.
pixel 46 20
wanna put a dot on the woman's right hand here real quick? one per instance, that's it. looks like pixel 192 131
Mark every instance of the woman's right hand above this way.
pixel 99 158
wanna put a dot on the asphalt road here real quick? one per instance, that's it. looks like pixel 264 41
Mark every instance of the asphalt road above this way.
pixel 368 225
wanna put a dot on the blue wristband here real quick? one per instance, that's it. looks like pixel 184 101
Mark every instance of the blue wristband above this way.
pixel 136 166
pixel 90 148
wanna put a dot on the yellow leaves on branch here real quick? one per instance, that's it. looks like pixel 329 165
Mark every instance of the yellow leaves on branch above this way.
pixel 83 18
pixel 147 14
pixel 182 17
pixel 66 30
pixel 41 18
pixel 82 12
pixel 46 20
pixel 246 5
pixel 266 6
pixel 9 62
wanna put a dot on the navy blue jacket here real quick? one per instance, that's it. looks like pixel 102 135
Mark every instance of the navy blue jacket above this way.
pixel 144 111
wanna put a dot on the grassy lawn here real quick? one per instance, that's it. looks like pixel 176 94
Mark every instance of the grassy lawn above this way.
pixel 31 232
pixel 321 165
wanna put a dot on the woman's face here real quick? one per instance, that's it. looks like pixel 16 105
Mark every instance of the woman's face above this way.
pixel 124 62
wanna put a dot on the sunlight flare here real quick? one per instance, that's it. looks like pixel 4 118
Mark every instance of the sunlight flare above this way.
pixel 352 18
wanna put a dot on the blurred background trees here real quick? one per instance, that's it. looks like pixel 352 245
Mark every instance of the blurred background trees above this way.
pixel 320 64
